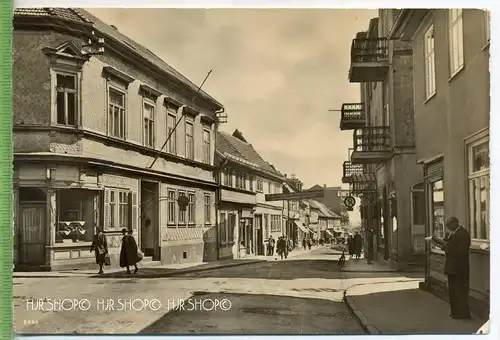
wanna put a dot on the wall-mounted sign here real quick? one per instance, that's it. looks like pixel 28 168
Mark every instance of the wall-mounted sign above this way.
pixel 350 201
pixel 295 195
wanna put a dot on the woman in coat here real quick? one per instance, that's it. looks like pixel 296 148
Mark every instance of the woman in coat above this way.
pixel 100 247
pixel 350 245
pixel 128 253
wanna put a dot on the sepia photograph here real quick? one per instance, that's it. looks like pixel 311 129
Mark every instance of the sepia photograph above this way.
pixel 251 171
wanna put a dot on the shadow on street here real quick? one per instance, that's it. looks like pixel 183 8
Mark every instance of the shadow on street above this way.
pixel 257 314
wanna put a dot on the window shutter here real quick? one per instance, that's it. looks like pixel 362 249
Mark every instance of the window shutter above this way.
pixel 132 203
pixel 107 217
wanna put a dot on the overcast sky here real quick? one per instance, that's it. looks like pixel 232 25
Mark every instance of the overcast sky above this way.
pixel 276 71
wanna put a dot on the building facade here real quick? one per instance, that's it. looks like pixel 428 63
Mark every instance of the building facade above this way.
pixel 382 168
pixel 89 130
pixel 329 223
pixel 451 52
pixel 246 219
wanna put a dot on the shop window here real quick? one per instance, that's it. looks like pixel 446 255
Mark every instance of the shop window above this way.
pixel 479 189
pixel 436 193
pixel 77 215
pixel 231 225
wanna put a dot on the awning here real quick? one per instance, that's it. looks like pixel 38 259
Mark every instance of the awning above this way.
pixel 329 233
pixel 363 178
pixel 301 227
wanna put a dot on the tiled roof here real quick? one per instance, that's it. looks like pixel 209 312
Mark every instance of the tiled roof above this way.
pixel 324 211
pixel 226 143
pixel 84 16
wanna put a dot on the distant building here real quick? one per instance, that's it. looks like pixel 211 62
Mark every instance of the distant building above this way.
pixel 329 223
pixel 87 128
pixel 246 220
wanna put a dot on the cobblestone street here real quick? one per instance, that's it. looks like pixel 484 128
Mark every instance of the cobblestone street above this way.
pixel 302 295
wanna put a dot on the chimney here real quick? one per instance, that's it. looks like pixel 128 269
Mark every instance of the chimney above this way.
pixel 324 186
pixel 285 175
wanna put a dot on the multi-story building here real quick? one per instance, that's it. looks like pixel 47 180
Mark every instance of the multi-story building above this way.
pixel 246 219
pixel 452 113
pixel 329 223
pixel 332 200
pixel 382 168
pixel 294 214
pixel 89 132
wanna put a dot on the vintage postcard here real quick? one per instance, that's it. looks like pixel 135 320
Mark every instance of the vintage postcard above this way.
pixel 251 171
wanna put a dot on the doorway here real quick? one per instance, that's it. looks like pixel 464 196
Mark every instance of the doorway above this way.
pixel 32 234
pixel 149 233
pixel 259 235
pixel 418 218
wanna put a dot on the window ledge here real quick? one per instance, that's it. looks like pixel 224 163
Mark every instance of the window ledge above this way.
pixel 430 97
pixel 70 245
pixel 456 73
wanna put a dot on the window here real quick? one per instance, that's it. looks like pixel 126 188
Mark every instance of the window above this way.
pixel 189 140
pixel 191 208
pixel 182 214
pixel 479 189
pixel 172 142
pixel 120 209
pixel 171 206
pixel 231 225
pixel 223 228
pixel 487 28
pixel 275 223
pixel 207 209
pixel 430 63
pixel 116 118
pixel 250 182
pixel 437 214
pixel 260 185
pixel 149 124
pixel 206 146
pixel 269 187
pixel 76 216
pixel 455 39
pixel 66 99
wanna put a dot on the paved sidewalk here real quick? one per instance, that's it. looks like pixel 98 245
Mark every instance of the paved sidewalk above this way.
pixel 361 266
pixel 401 308
pixel 145 272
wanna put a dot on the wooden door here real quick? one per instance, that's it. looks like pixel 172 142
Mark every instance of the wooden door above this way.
pixel 32 235
pixel 418 219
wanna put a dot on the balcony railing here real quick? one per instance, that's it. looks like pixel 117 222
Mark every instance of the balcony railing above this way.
pixel 369 60
pixel 352 116
pixel 350 169
pixel 371 145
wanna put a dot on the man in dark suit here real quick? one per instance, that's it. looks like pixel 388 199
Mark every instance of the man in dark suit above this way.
pixel 456 247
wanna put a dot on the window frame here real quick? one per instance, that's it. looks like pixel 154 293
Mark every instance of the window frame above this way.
pixel 150 122
pixel 471 176
pixel 76 91
pixel 179 212
pixel 191 208
pixel 111 87
pixel 435 248
pixel 172 142
pixel 191 154
pixel 171 200
pixel 207 203
pixel 455 23
pixel 430 62
pixel 206 158
pixel 223 227
pixel 260 185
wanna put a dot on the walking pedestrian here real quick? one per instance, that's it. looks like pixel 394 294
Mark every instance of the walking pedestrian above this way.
pixel 358 245
pixel 281 245
pixel 128 252
pixel 271 243
pixel 350 245
pixel 289 244
pixel 456 246
pixel 309 245
pixel 100 247
pixel 304 244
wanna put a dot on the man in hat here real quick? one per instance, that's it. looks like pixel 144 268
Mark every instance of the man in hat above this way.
pixel 456 247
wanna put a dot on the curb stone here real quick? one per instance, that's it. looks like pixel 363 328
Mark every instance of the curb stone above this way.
pixel 147 276
pixel 360 316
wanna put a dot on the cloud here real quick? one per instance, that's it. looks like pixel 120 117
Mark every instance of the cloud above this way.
pixel 277 72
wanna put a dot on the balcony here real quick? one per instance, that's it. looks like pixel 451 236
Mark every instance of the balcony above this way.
pixel 369 60
pixel 351 169
pixel 352 116
pixel 371 145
